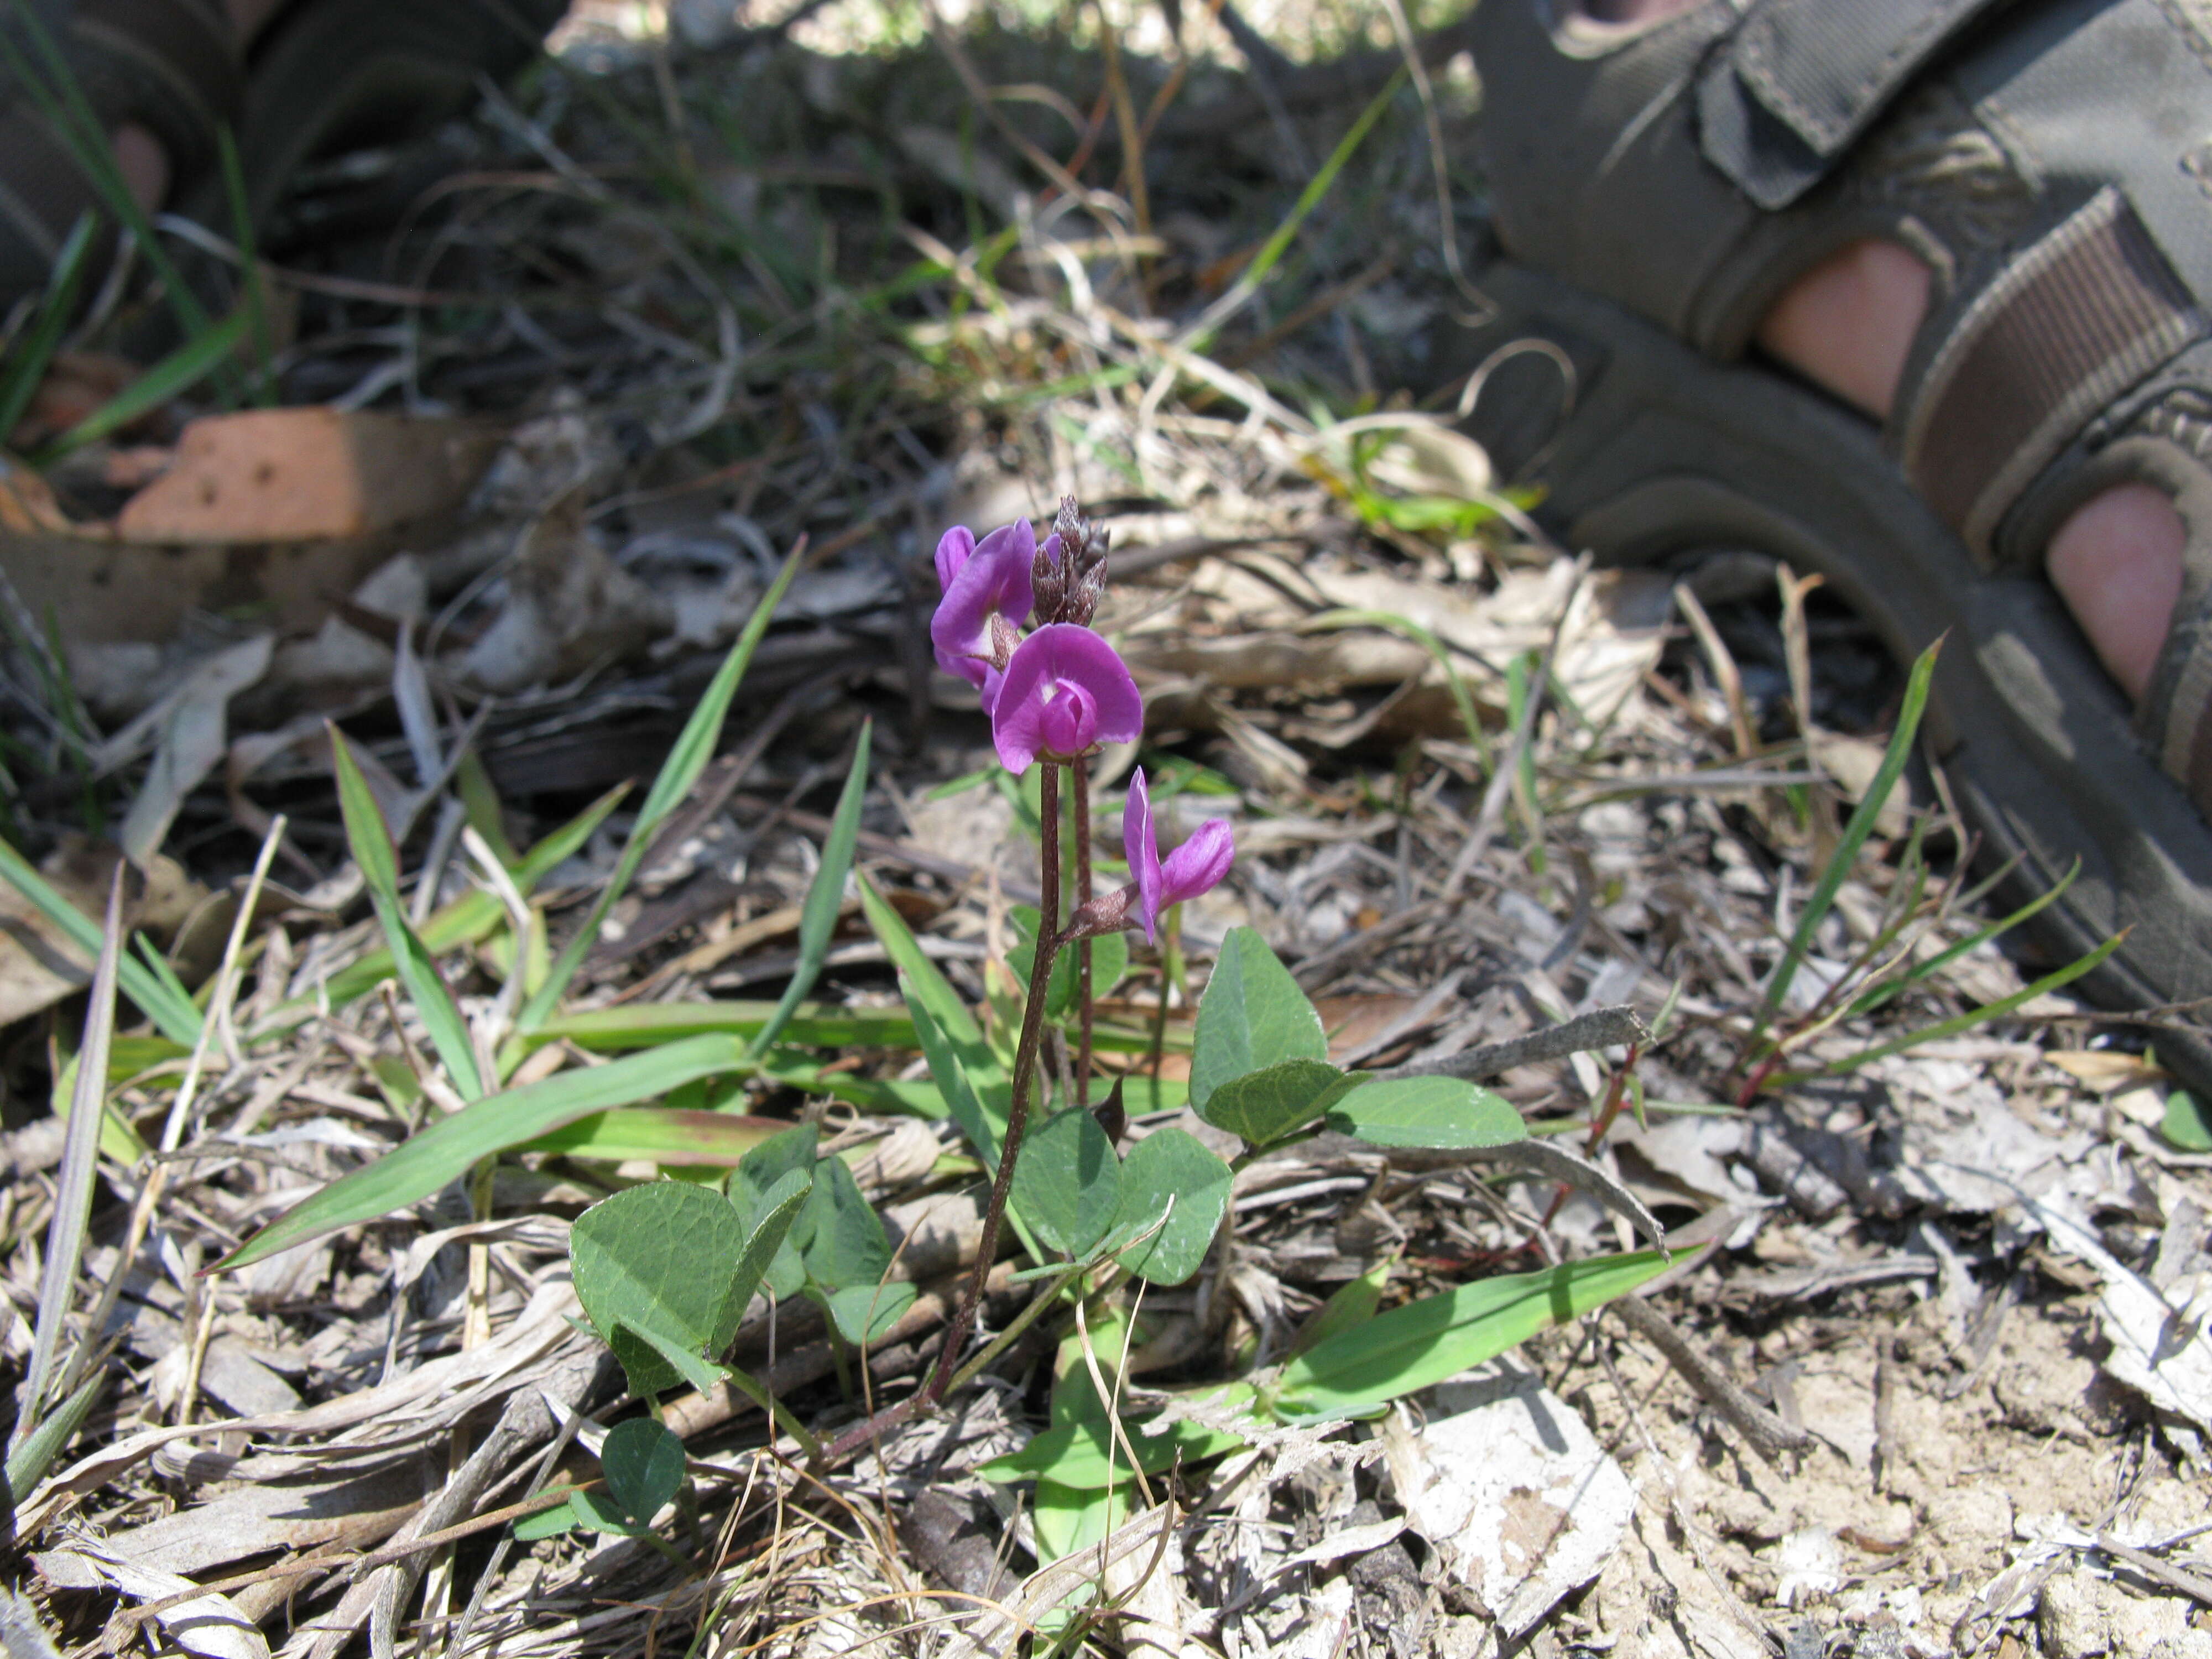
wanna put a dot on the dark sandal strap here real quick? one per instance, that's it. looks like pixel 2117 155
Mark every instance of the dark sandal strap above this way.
pixel 1798 82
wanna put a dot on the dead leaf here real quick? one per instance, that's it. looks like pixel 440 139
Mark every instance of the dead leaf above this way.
pixel 189 730
pixel 302 474
pixel 568 606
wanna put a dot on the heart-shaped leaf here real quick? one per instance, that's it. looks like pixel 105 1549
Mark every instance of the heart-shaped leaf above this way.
pixel 1067 1182
pixel 865 1314
pixel 1253 1016
pixel 660 1258
pixel 846 1245
pixel 643 1463
pixel 1264 1106
pixel 1171 1164
pixel 1442 1112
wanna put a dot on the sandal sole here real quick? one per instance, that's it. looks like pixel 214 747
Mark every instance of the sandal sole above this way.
pixel 1666 453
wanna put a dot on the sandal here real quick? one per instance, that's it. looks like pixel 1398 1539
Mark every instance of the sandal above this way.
pixel 327 76
pixel 168 65
pixel 1686 173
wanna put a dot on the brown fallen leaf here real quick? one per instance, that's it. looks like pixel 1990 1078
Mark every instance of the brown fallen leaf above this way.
pixel 317 474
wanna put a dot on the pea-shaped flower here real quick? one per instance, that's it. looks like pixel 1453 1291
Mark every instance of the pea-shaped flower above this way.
pixel 1196 867
pixel 987 599
pixel 1064 690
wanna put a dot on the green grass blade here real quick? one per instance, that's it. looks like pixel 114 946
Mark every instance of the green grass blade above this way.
pixel 1195 337
pixel 450 1147
pixel 1861 825
pixel 29 1461
pixel 1422 1342
pixel 695 747
pixel 825 894
pixel 1875 996
pixel 253 295
pixel 379 867
pixel 1958 1022
pixel 182 369
pixel 611 1031
pixel 70 116
pixel 662 1135
pixel 469 919
pixel 175 1017
pixel 36 349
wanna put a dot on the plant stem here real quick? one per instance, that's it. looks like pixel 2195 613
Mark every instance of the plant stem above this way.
pixel 1021 1321
pixel 1017 1108
pixel 1078 778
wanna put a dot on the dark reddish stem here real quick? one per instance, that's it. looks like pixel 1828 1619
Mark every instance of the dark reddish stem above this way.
pixel 1017 1113
pixel 1080 783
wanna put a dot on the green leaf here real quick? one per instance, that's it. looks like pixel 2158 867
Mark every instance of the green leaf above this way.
pixel 1171 1164
pixel 1069 1518
pixel 1109 961
pixel 643 1463
pixel 865 1314
pixel 1083 1456
pixel 600 1515
pixel 2187 1124
pixel 647 1026
pixel 1266 1105
pixel 33 349
pixel 961 1063
pixel 954 1067
pixel 842 1237
pixel 1067 1182
pixel 548 1523
pixel 182 370
pixel 761 1169
pixel 772 1217
pixel 695 747
pixel 379 867
pixel 1350 1305
pixel 1439 1336
pixel 681 1359
pixel 178 1020
pixel 825 894
pixel 795 1068
pixel 451 1146
pixel 664 1134
pixel 1442 1112
pixel 1252 1016
pixel 661 1259
pixel 29 1462
pixel 789 1153
pixel 468 919
pixel 1843 858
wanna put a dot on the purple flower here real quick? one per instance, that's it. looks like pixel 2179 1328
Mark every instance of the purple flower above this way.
pixel 1064 690
pixel 987 597
pixel 1196 867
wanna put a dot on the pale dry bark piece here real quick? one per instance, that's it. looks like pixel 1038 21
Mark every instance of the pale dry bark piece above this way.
pixel 305 475
pixel 1513 1489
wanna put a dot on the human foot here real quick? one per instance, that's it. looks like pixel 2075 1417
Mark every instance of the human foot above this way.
pixel 1848 325
pixel 140 155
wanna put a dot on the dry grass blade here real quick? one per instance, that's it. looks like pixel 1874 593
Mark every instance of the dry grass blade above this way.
pixel 65 1235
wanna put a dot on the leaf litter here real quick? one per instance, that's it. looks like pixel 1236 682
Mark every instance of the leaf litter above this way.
pixel 1928 1374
